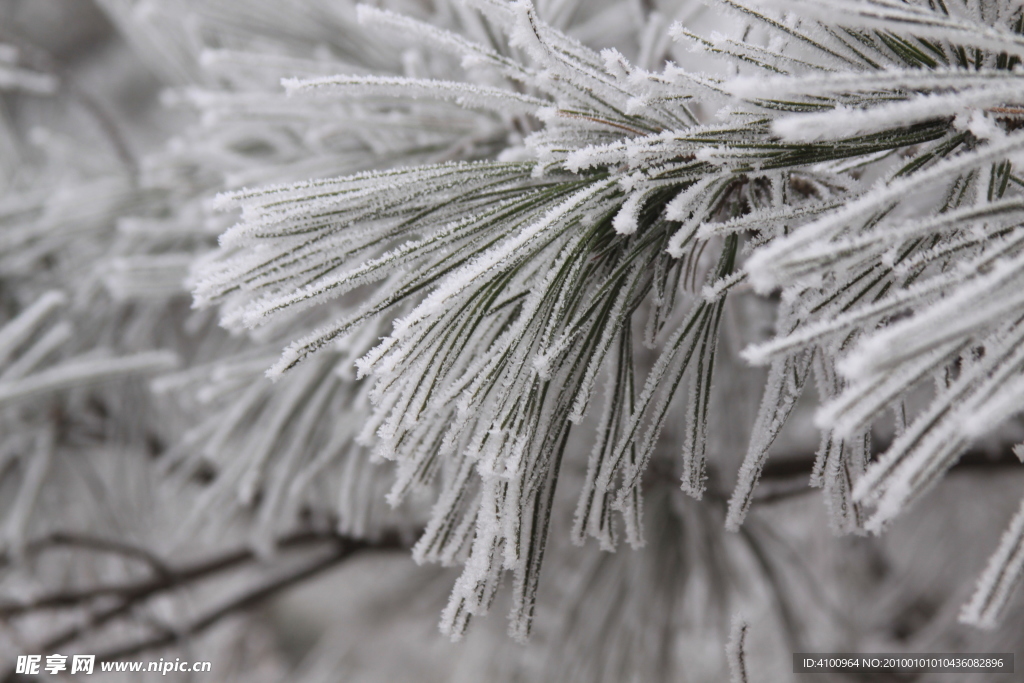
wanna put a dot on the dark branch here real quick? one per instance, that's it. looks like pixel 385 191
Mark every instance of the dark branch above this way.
pixel 166 578
pixel 785 473
pixel 341 549
pixel 62 539
pixel 344 550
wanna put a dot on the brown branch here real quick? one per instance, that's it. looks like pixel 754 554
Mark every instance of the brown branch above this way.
pixel 251 598
pixel 975 460
pixel 64 539
pixel 787 476
pixel 144 590
pixel 343 547
pixel 782 488
pixel 166 579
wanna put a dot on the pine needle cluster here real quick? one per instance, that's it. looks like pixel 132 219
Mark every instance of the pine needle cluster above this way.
pixel 496 237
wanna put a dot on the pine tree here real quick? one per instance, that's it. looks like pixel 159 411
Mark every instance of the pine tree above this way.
pixel 507 267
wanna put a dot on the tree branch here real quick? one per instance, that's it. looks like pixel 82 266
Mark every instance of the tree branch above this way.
pixel 167 577
pixel 790 472
pixel 244 601
pixel 65 539
pixel 343 548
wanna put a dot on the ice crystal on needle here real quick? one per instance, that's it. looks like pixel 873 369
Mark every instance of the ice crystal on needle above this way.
pixel 511 284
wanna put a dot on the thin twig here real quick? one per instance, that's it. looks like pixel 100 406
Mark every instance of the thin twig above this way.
pixel 166 579
pixel 785 467
pixel 250 598
pixel 65 539
pixel 344 548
